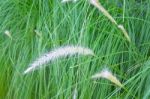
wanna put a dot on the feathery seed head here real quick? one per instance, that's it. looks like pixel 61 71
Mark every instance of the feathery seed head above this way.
pixel 65 1
pixel 107 75
pixel 98 5
pixel 124 32
pixel 75 94
pixel 94 2
pixel 56 54
pixel 8 34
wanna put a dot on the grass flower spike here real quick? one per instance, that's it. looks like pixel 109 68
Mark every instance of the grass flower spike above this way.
pixel 124 32
pixel 75 94
pixel 98 5
pixel 107 75
pixel 57 53
pixel 8 34
pixel 65 1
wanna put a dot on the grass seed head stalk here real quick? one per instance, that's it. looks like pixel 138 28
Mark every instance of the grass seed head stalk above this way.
pixel 124 32
pixel 57 53
pixel 107 75
pixel 98 5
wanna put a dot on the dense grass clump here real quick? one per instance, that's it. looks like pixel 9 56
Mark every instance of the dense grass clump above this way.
pixel 29 28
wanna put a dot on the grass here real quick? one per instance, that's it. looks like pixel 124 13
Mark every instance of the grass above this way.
pixel 78 24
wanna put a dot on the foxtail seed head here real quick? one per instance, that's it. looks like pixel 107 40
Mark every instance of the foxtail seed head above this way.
pixel 57 53
pixel 98 5
pixel 8 34
pixel 107 75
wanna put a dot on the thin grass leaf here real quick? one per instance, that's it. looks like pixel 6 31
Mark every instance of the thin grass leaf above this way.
pixel 38 33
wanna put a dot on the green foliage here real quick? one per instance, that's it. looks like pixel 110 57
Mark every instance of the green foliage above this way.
pixel 79 24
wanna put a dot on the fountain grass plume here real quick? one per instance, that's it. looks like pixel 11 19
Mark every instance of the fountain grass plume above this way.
pixel 121 27
pixel 8 34
pixel 107 75
pixel 65 1
pixel 56 54
pixel 75 94
pixel 98 5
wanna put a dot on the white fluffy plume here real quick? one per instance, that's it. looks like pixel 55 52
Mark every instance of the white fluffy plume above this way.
pixel 107 75
pixel 57 53
pixel 8 34
pixel 65 1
